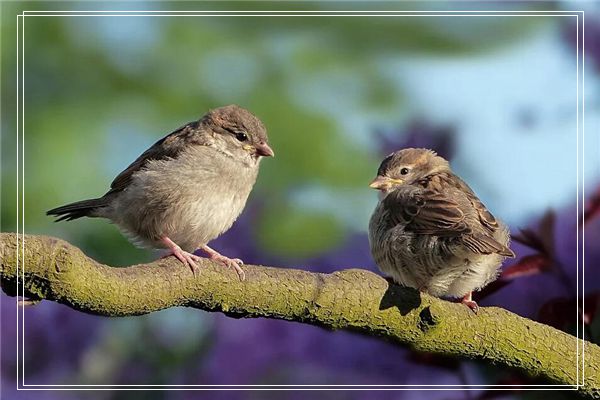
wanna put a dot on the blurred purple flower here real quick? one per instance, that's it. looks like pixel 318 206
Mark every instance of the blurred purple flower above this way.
pixel 418 133
pixel 353 253
pixel 592 38
pixel 548 290
pixel 592 208
pixel 261 351
pixel 56 339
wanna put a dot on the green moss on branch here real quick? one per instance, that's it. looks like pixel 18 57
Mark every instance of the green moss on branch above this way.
pixel 352 299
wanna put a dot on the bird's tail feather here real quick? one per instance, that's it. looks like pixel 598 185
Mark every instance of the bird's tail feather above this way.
pixel 84 208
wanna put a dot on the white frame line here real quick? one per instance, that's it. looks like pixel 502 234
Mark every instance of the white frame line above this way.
pixel 23 187
pixel 18 190
pixel 450 12
pixel 328 13
pixel 577 195
pixel 296 15
pixel 582 197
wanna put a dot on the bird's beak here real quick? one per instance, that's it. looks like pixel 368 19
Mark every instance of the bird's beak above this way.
pixel 263 149
pixel 384 183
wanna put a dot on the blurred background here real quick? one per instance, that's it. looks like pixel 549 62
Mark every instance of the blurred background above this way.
pixel 495 95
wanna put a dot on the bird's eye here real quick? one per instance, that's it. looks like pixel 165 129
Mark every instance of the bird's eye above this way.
pixel 404 171
pixel 241 136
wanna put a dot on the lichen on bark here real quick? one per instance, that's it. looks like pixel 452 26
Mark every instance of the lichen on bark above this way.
pixel 351 299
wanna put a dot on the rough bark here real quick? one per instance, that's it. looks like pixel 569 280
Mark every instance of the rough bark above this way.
pixel 352 299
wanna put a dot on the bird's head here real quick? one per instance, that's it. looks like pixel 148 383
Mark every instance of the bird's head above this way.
pixel 238 133
pixel 407 166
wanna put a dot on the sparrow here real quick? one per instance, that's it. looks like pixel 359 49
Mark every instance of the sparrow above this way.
pixel 186 189
pixel 429 230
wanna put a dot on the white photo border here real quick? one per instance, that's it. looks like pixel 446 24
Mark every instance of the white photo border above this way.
pixel 580 40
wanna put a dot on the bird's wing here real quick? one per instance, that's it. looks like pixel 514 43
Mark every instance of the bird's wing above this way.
pixel 483 243
pixel 426 211
pixel 429 212
pixel 485 217
pixel 167 147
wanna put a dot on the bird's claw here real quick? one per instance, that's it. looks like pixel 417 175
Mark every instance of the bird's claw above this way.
pixel 231 263
pixel 226 261
pixel 185 257
pixel 468 301
pixel 472 305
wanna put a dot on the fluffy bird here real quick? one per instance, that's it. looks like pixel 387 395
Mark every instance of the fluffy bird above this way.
pixel 430 231
pixel 187 189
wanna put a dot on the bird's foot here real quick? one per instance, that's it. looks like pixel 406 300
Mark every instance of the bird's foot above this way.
pixel 468 301
pixel 226 261
pixel 185 257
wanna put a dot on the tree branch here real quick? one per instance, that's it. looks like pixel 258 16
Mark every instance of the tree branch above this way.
pixel 353 299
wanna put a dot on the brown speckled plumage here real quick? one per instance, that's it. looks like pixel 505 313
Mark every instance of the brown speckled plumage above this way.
pixel 430 231
pixel 186 189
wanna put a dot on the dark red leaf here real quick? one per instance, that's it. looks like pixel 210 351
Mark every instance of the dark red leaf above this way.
pixel 558 313
pixel 434 360
pixel 541 239
pixel 528 265
pixel 514 381
pixel 498 394
pixel 562 313
pixel 592 208
pixel 592 307
pixel 546 231
pixel 529 238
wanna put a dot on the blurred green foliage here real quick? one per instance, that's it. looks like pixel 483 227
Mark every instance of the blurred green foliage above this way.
pixel 99 90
